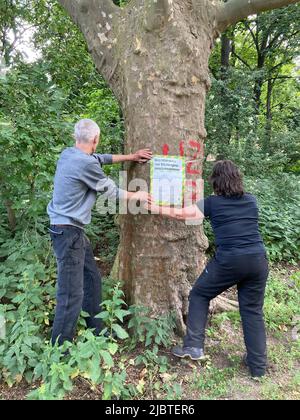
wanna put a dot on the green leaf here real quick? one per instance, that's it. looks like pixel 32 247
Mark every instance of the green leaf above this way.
pixel 113 348
pixel 107 358
pixel 121 333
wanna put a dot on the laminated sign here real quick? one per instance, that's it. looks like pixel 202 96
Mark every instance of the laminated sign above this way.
pixel 167 180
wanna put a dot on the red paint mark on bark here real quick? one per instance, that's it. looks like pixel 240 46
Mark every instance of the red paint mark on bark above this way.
pixel 192 171
pixel 181 148
pixel 196 156
pixel 165 149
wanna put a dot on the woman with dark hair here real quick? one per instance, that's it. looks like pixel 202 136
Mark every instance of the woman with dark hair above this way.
pixel 240 259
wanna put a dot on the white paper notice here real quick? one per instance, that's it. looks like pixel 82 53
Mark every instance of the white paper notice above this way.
pixel 167 180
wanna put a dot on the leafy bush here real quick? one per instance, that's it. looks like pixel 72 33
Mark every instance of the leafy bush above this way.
pixel 278 199
pixel 33 132
pixel 90 357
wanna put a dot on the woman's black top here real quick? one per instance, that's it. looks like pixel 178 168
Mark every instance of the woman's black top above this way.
pixel 235 224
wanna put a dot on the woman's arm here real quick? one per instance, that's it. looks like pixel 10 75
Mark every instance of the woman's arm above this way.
pixel 186 213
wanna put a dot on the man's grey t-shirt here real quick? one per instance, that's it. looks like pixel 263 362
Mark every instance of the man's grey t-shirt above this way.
pixel 78 179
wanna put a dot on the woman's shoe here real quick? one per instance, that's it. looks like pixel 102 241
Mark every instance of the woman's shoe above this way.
pixel 193 353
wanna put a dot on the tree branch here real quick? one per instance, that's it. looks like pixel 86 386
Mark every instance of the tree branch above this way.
pixel 253 35
pixel 78 8
pixel 241 60
pixel 236 10
pixel 99 21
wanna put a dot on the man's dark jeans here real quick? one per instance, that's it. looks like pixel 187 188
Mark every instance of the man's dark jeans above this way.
pixel 249 273
pixel 78 282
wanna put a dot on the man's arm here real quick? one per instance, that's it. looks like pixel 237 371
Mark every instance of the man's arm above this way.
pixel 141 156
pixel 94 177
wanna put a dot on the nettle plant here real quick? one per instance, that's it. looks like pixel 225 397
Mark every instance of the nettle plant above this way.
pixel 99 359
pixel 94 358
pixel 150 331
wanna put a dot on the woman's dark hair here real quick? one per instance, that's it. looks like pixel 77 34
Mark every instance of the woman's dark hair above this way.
pixel 226 179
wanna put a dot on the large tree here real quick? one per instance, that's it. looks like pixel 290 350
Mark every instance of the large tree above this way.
pixel 154 55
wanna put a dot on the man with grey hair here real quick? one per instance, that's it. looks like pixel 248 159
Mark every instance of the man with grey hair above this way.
pixel 78 179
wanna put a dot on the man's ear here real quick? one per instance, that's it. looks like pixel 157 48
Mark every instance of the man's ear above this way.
pixel 95 143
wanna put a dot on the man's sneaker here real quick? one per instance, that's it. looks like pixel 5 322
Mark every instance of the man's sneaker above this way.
pixel 193 353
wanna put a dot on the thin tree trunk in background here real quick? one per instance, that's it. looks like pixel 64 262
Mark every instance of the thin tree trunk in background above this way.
pixel 11 215
pixel 225 52
pixel 226 48
pixel 268 134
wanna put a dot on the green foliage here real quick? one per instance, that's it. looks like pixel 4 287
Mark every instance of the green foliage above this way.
pixel 104 235
pixel 278 199
pixel 27 301
pixel 252 110
pixel 230 121
pixel 151 331
pixel 282 302
pixel 25 355
pixel 20 351
pixel 113 313
pixel 90 357
pixel 32 133
pixel 102 107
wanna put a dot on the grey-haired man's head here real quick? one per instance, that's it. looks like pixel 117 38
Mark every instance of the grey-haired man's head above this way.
pixel 87 134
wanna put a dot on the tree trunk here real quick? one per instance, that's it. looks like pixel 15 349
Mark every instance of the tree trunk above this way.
pixel 226 48
pixel 268 133
pixel 166 81
pixel 259 80
pixel 225 52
